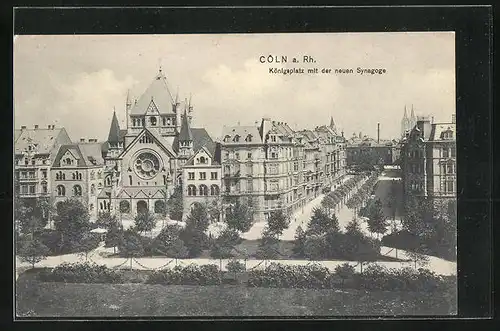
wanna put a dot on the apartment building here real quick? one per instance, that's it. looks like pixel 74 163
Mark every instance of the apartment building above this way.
pixel 78 172
pixel 34 153
pixel 428 156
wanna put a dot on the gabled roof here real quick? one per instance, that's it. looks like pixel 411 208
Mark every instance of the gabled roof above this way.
pixel 202 149
pixel 114 130
pixel 158 92
pixel 156 136
pixel 87 154
pixel 43 140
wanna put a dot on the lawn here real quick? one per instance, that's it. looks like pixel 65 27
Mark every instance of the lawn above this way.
pixel 42 299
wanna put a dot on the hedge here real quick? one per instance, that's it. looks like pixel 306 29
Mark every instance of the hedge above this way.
pixel 189 275
pixel 81 273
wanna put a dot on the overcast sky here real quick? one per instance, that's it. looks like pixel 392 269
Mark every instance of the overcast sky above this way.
pixel 75 81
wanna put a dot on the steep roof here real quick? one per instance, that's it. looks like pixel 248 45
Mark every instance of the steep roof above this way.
pixel 243 132
pixel 438 130
pixel 87 154
pixel 185 134
pixel 43 140
pixel 159 93
pixel 114 130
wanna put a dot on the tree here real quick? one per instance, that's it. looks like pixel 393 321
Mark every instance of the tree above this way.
pixel 320 222
pixel 417 258
pixel 239 217
pixel 114 236
pixel 145 221
pixel 300 241
pixel 45 208
pixel 268 245
pixel 419 217
pixel 169 243
pixel 214 210
pixel 193 234
pixel 174 204
pixel 376 219
pixel 235 266
pixel 32 251
pixel 106 220
pixel 277 222
pixel 344 271
pixel 131 245
pixel 72 222
pixel 328 203
pixel 88 243
pixel 353 228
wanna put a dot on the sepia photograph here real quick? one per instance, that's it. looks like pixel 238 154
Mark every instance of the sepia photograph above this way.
pixel 235 175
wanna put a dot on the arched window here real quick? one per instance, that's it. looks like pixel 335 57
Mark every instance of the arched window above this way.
pixel 142 207
pixel 143 121
pixel 61 190
pixel 63 176
pixel 92 175
pixel 77 190
pixel 203 160
pixel 79 176
pixel 74 176
pixel 152 120
pixel 58 176
pixel 214 190
pixel 130 179
pixel 92 189
pixel 68 161
pixel 203 189
pixel 169 121
pixel 159 206
pixel 236 138
pixel 124 206
pixel 99 175
pixel 192 190
pixel 101 207
pixel 108 180
pixel 164 180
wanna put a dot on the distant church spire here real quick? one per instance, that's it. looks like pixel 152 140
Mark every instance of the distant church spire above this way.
pixel 332 123
pixel 185 134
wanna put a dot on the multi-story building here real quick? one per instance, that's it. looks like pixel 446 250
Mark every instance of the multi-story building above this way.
pixel 34 153
pixel 363 149
pixel 201 175
pixel 283 169
pixel 428 158
pixel 78 172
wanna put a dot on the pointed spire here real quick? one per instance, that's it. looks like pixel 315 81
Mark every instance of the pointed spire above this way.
pixel 332 123
pixel 177 95
pixel 185 134
pixel 406 114
pixel 412 116
pixel 114 130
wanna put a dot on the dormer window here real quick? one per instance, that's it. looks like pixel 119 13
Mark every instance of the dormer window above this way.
pixel 226 138
pixel 68 161
pixel 249 138
pixel 236 138
pixel 152 120
pixel 203 160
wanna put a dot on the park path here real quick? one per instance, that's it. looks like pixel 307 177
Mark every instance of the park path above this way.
pixel 439 266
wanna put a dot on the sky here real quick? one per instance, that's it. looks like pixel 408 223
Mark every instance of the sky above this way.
pixel 76 81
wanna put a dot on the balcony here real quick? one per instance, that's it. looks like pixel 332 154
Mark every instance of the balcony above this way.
pixel 28 179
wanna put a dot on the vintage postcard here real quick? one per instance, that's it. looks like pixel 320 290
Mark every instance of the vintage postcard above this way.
pixel 309 174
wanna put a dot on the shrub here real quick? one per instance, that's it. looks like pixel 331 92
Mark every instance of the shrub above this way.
pixel 235 266
pixel 280 275
pixel 81 273
pixel 189 275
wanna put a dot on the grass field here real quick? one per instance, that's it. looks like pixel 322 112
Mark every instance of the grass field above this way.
pixel 42 299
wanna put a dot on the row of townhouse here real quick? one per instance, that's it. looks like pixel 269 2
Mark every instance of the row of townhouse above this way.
pixel 272 167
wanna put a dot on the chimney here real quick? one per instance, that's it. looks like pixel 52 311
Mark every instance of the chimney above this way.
pixel 23 127
pixel 36 126
pixel 82 140
pixel 453 119
pixel 48 126
pixel 424 125
pixel 432 120
pixel 378 133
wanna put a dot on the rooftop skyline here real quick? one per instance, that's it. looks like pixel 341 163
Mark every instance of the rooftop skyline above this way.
pixel 70 80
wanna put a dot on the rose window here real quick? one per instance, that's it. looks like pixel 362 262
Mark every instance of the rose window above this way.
pixel 147 165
